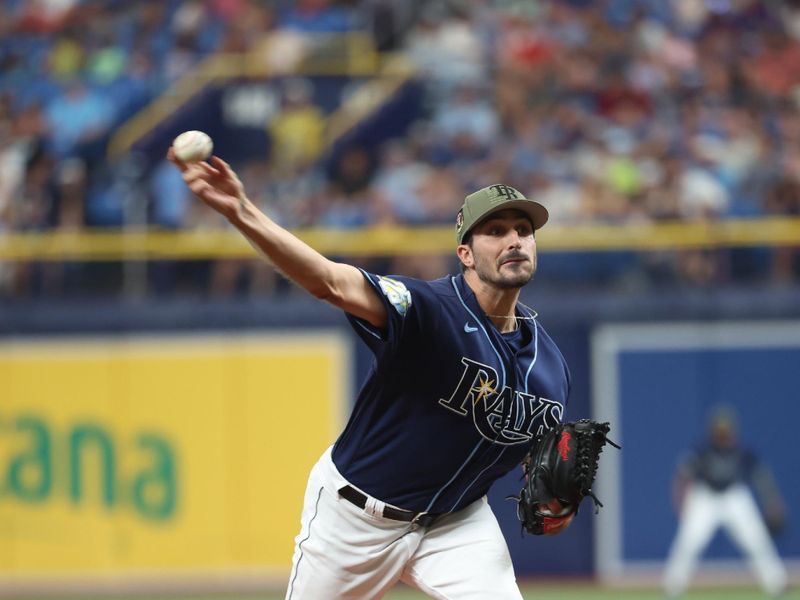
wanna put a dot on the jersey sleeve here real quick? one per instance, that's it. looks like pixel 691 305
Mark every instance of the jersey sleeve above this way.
pixel 408 304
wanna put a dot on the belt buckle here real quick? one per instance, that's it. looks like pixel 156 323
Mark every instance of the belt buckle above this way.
pixel 418 516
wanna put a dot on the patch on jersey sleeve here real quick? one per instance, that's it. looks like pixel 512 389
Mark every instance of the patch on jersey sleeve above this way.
pixel 397 294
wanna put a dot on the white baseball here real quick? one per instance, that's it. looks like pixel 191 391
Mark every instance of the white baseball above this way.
pixel 192 146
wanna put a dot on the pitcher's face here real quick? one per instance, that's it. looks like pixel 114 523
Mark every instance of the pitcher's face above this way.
pixel 503 250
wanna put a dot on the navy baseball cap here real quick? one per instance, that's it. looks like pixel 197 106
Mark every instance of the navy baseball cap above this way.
pixel 491 199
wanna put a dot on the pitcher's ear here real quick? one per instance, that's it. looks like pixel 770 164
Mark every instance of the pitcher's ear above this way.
pixel 465 256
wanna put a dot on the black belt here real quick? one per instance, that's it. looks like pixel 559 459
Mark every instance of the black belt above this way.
pixel 424 519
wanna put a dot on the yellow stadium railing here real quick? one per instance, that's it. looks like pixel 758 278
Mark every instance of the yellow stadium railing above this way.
pixel 141 244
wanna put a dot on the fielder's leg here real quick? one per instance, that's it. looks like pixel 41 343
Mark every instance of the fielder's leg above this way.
pixel 698 522
pixel 746 527
pixel 464 556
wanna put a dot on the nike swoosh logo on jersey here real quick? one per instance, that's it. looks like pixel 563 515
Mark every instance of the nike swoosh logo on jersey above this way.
pixel 469 329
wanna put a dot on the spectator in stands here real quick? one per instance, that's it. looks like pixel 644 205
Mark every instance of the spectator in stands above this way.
pixel 32 210
pixel 783 199
pixel 400 179
pixel 446 47
pixel 352 171
pixel 297 131
pixel 67 56
pixel 465 122
pixel 44 16
pixel 388 21
pixel 247 22
pixel 612 111
pixel 78 122
pixel 107 62
pixel 701 194
pixel 71 184
pixel 13 156
pixel 316 16
pixel 169 201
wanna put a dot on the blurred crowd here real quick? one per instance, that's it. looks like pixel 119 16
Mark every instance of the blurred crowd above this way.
pixel 612 111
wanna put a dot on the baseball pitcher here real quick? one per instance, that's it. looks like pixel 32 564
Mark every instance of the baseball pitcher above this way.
pixel 465 382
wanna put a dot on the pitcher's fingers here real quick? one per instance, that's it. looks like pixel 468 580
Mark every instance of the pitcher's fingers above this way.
pixel 199 187
pixel 196 179
pixel 209 169
pixel 193 172
pixel 224 167
pixel 219 163
pixel 175 160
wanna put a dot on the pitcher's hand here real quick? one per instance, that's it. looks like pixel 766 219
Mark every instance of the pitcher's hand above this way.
pixel 556 523
pixel 216 184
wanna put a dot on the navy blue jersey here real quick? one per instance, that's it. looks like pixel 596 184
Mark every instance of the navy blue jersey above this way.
pixel 720 468
pixel 450 404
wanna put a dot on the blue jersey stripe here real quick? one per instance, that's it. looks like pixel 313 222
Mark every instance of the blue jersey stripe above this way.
pixel 535 352
pixel 503 368
pixel 367 329
pixel 474 481
pixel 480 324
pixel 530 367
pixel 457 473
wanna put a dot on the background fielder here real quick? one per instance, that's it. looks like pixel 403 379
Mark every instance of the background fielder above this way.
pixel 712 489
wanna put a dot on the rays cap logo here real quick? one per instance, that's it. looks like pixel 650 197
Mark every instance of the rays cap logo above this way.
pixel 479 205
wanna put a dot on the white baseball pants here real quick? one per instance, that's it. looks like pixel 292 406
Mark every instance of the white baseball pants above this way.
pixel 343 551
pixel 735 510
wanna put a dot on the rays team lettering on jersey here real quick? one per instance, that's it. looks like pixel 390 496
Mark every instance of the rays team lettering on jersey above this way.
pixel 505 416
pixel 442 371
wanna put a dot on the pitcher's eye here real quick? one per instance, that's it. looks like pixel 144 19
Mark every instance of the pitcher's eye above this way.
pixel 524 230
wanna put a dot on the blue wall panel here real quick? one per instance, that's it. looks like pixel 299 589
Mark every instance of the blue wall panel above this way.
pixel 665 397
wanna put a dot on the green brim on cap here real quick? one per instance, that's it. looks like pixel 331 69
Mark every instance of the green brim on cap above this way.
pixel 491 199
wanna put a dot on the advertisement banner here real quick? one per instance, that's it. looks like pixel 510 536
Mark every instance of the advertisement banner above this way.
pixel 174 454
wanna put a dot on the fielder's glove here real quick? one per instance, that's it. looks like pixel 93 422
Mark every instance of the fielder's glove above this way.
pixel 562 466
pixel 775 521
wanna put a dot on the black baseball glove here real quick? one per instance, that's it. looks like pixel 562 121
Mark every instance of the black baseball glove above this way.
pixel 775 519
pixel 562 466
